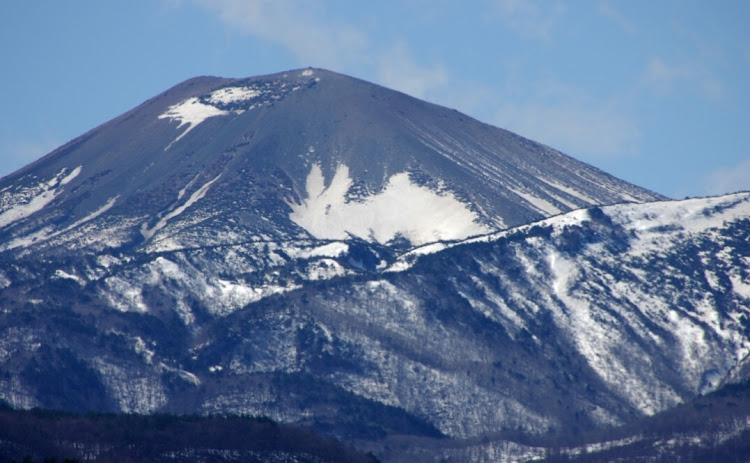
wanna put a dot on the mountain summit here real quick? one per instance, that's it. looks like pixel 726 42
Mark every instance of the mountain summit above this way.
pixel 304 154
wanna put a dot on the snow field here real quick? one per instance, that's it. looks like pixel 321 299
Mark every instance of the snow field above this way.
pixel 402 208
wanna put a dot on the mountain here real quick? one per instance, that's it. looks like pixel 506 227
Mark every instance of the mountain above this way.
pixel 329 253
pixel 301 155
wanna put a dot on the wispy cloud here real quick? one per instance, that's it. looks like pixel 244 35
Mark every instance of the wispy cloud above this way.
pixel 569 119
pixel 729 179
pixel 302 27
pixel 318 39
pixel 660 73
pixel 398 69
pixel 530 18
pixel 581 131
pixel 666 78
pixel 607 10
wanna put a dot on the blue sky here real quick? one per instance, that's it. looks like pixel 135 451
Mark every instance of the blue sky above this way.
pixel 655 92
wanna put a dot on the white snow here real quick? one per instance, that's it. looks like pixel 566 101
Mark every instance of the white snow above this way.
pixel 324 269
pixel 59 273
pixel 189 377
pixel 68 178
pixel 540 204
pixel 402 208
pixel 106 261
pixel 141 349
pixel 47 233
pixel 740 286
pixel 196 196
pixel 33 199
pixel 568 190
pixel 307 73
pixel 190 112
pixel 193 111
pixel 655 223
pixel 186 187
pixel 135 391
pixel 124 295
pixel 334 249
pixel 598 336
pixel 233 94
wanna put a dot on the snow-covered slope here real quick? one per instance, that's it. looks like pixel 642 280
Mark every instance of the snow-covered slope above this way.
pixel 301 155
pixel 587 319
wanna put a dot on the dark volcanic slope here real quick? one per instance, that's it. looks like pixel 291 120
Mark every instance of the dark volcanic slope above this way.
pixel 300 154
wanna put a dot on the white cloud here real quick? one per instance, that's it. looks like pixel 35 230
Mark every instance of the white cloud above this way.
pixel 665 78
pixel 607 10
pixel 530 18
pixel 399 70
pixel 568 118
pixel 661 73
pixel 729 179
pixel 319 40
pixel 300 26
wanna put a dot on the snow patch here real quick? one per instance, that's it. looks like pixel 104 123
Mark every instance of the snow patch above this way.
pixel 62 274
pixel 195 110
pixel 569 191
pixel 30 200
pixel 402 208
pixel 539 204
pixel 68 178
pixel 197 195
pixel 229 95
pixel 190 112
pixel 141 349
pixel 335 249
pixel 47 233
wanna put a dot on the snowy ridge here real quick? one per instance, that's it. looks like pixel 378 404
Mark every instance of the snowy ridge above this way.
pixel 649 222
pixel 710 341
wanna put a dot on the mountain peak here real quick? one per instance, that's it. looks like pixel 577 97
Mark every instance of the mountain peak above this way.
pixel 302 154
